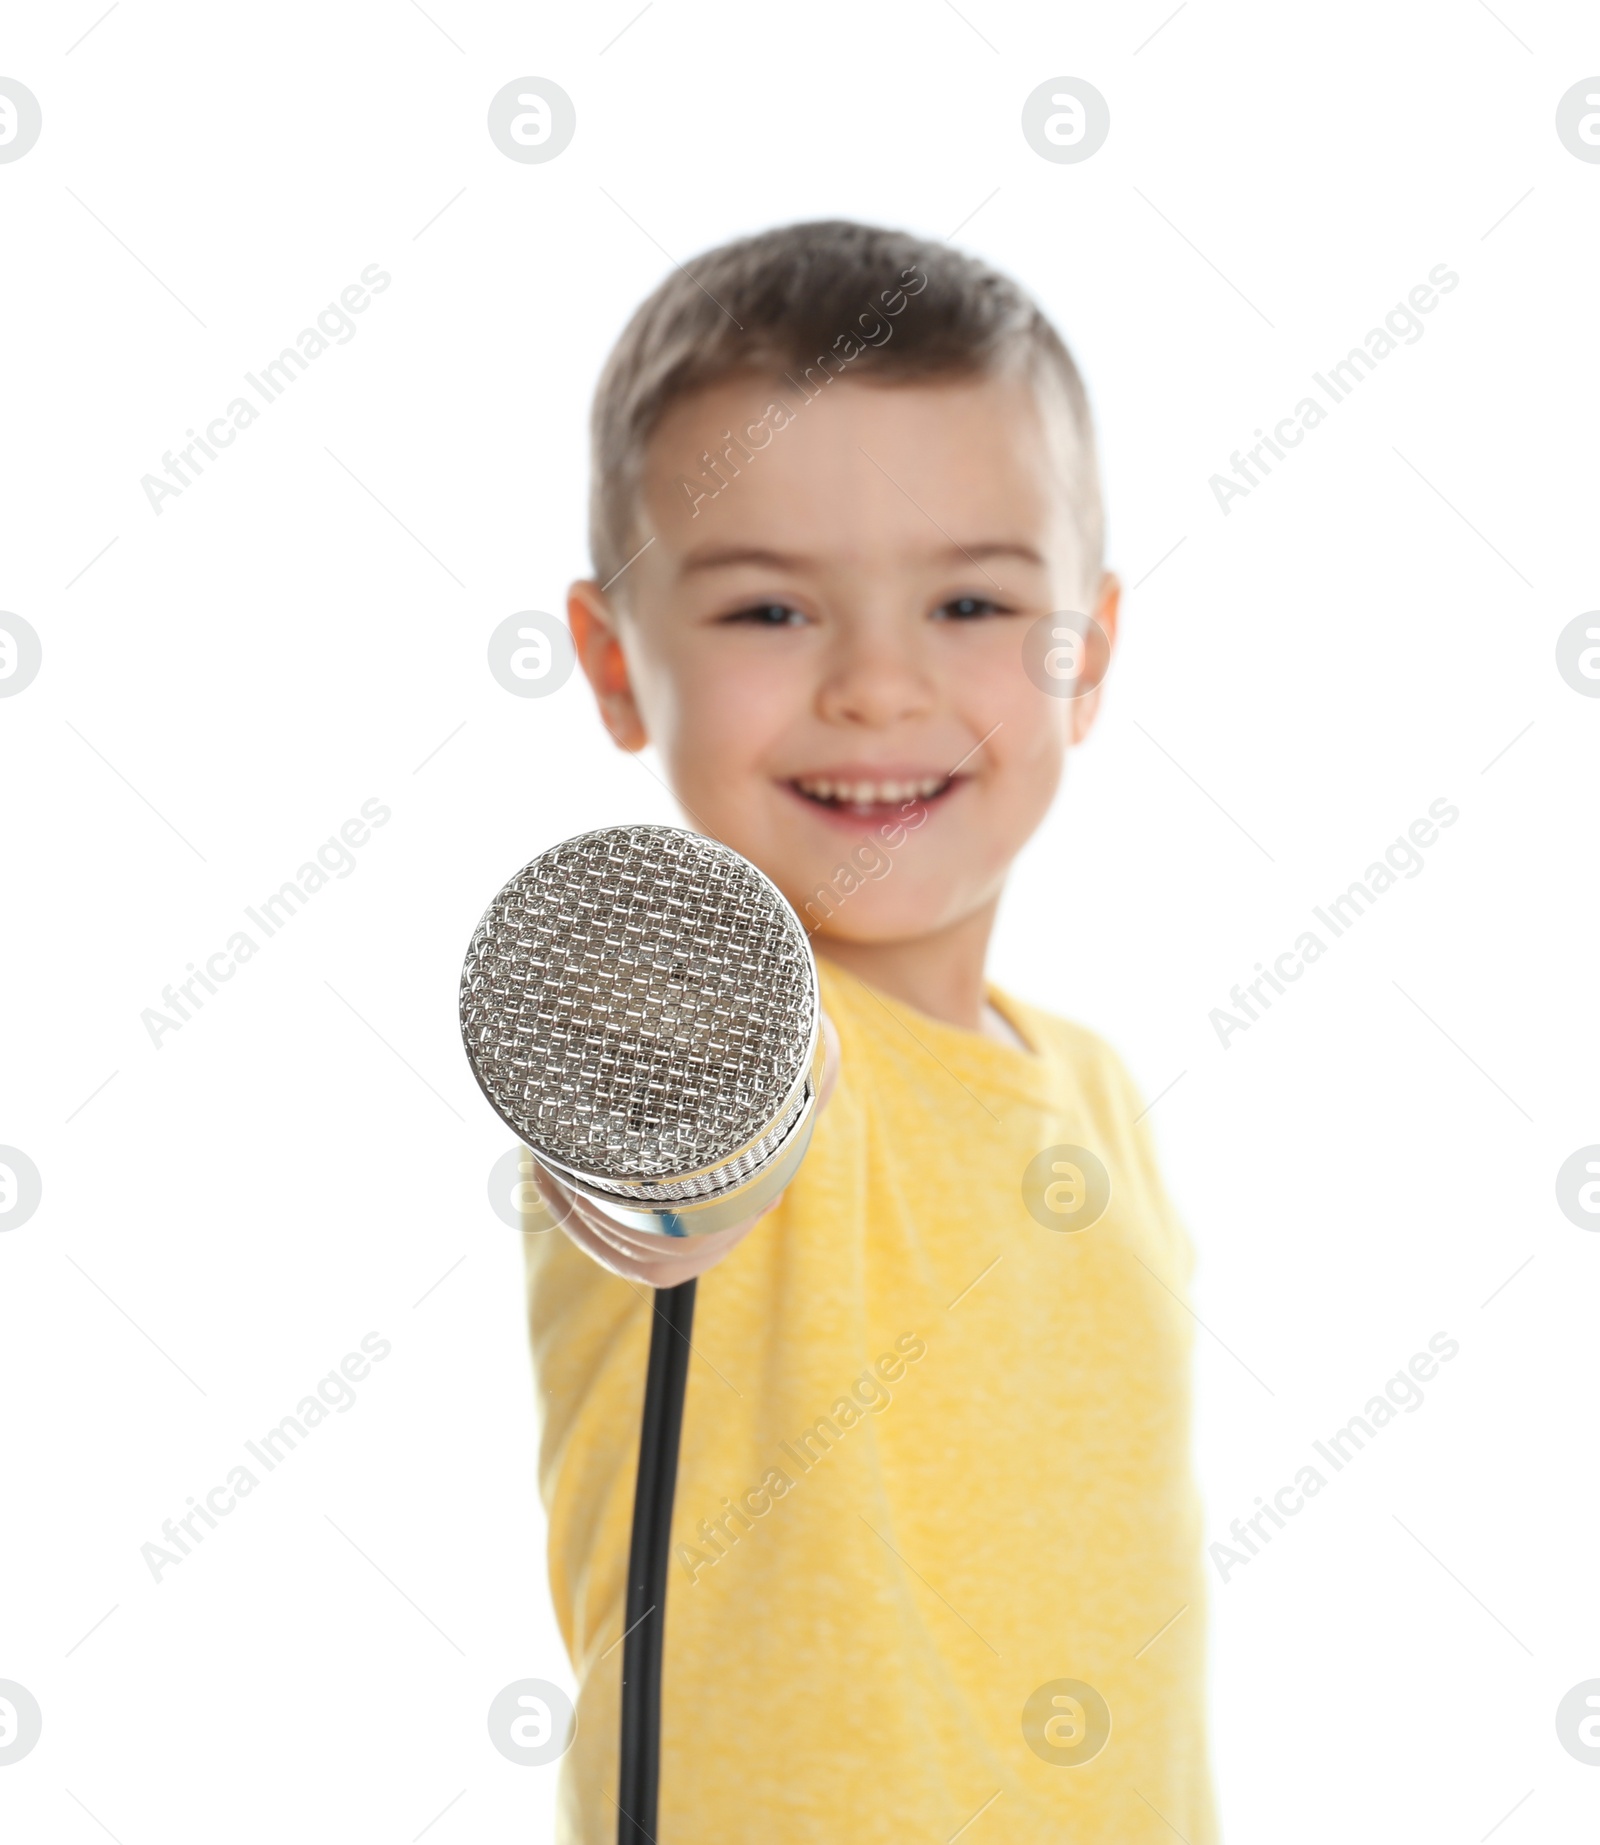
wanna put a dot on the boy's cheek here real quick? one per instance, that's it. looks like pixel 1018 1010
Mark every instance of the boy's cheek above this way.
pixel 719 717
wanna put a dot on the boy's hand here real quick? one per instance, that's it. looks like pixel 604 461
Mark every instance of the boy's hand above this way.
pixel 661 1262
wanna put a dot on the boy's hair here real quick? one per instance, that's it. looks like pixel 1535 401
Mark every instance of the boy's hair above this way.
pixel 817 299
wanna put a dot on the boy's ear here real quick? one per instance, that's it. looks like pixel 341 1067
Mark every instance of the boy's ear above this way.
pixel 1081 712
pixel 594 635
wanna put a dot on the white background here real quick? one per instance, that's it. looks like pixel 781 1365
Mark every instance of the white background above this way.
pixel 306 1160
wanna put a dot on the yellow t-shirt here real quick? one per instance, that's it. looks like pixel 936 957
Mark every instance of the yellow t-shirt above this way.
pixel 934 1479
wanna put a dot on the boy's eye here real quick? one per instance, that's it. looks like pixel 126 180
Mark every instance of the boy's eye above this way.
pixel 768 615
pixel 967 608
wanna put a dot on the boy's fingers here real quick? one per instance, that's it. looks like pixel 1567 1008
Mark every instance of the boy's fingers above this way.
pixel 637 1255
pixel 585 1226
pixel 558 1200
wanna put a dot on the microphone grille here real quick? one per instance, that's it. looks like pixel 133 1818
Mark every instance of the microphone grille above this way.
pixel 639 1004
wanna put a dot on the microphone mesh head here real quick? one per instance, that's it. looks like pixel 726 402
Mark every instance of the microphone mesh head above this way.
pixel 639 1004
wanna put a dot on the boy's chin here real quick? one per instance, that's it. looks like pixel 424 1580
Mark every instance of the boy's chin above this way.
pixel 861 922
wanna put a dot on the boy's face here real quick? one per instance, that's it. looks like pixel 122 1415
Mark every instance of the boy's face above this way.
pixel 827 651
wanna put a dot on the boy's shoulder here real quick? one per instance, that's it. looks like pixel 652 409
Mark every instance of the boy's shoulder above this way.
pixel 1117 1116
pixel 1072 1064
pixel 1092 1059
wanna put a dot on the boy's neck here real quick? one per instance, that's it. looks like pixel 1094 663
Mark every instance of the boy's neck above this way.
pixel 940 974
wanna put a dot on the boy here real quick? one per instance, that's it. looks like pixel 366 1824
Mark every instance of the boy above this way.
pixel 936 1543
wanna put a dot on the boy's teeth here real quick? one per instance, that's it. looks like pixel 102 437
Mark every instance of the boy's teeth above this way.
pixel 870 794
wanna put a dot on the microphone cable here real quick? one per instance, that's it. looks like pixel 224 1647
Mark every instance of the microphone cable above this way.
pixel 645 1616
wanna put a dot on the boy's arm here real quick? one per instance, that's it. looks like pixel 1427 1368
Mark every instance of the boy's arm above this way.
pixel 661 1262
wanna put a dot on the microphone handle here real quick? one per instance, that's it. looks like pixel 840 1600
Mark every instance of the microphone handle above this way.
pixel 672 1317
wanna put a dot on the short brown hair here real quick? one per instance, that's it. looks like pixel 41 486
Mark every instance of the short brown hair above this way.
pixel 789 300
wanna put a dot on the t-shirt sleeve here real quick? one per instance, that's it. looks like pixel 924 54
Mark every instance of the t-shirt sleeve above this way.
pixel 1118 1110
pixel 1137 1153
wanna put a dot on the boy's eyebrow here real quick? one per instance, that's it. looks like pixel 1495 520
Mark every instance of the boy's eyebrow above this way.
pixel 996 547
pixel 721 557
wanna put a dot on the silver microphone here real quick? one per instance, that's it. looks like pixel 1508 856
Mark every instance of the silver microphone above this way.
pixel 640 1006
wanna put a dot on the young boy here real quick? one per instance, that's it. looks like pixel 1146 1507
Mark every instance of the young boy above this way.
pixel 936 1539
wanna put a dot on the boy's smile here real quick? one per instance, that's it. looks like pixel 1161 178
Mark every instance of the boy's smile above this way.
pixel 858 796
pixel 822 636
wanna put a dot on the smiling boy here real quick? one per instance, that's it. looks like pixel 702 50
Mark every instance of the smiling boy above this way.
pixel 936 1534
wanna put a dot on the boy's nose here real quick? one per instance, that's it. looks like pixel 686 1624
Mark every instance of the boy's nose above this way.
pixel 876 680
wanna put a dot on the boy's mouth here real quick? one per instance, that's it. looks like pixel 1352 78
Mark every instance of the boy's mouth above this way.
pixel 869 798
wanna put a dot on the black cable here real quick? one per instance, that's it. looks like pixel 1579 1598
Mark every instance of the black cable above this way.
pixel 645 1616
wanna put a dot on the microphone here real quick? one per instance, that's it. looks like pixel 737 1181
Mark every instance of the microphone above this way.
pixel 640 1006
